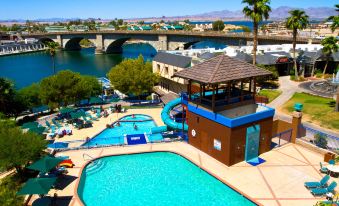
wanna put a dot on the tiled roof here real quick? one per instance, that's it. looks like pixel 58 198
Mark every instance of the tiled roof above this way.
pixel 221 69
pixel 173 59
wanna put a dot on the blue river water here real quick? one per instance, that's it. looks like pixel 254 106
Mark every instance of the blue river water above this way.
pixel 25 69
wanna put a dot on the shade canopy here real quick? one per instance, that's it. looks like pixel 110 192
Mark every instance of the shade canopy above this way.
pixel 37 130
pixel 45 164
pixel 95 100
pixel 58 145
pixel 221 69
pixel 29 125
pixel 66 110
pixel 38 186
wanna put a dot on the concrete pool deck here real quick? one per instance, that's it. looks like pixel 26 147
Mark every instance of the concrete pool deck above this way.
pixel 278 181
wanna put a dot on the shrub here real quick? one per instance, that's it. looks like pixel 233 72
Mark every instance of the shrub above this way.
pixel 149 97
pixel 9 186
pixel 320 140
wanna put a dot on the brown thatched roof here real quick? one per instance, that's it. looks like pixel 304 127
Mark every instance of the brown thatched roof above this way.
pixel 221 69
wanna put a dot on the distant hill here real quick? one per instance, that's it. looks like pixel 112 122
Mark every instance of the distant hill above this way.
pixel 315 13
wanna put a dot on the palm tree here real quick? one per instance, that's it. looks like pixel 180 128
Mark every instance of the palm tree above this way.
pixel 51 48
pixel 296 21
pixel 330 46
pixel 334 19
pixel 257 10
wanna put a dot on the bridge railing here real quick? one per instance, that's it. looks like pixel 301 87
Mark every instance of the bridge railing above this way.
pixel 188 33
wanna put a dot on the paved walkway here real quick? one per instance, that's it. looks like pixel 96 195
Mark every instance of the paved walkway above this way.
pixel 289 88
pixel 278 181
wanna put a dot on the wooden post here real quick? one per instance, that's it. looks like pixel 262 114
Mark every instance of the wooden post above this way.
pixel 200 92
pixel 254 87
pixel 337 102
pixel 296 123
pixel 204 90
pixel 250 86
pixel 241 91
pixel 229 91
pixel 189 87
pixel 213 98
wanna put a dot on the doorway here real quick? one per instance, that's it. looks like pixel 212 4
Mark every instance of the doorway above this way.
pixel 252 142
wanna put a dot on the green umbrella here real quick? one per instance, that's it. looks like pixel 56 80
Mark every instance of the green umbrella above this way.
pixel 66 110
pixel 37 130
pixel 45 164
pixel 29 125
pixel 39 186
pixel 75 115
pixel 95 100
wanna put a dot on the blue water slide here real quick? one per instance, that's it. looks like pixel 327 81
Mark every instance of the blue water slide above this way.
pixel 165 116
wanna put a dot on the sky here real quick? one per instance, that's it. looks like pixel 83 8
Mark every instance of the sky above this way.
pixel 109 9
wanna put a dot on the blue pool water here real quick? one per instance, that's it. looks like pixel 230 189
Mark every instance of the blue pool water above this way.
pixel 159 178
pixel 115 136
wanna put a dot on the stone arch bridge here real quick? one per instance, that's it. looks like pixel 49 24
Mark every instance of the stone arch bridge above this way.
pixel 112 41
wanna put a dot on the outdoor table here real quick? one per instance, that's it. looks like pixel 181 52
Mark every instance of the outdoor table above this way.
pixel 334 169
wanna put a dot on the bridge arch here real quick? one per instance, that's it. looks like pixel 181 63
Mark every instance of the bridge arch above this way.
pixel 44 40
pixel 73 44
pixel 116 47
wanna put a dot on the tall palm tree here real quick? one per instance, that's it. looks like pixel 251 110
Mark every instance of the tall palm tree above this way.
pixel 297 20
pixel 51 48
pixel 330 46
pixel 257 10
pixel 334 19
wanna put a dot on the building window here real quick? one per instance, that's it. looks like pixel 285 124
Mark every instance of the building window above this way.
pixel 158 68
pixel 166 70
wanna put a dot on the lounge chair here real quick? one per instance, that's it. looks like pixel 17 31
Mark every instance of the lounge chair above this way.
pixel 48 124
pixel 321 183
pixel 323 169
pixel 323 191
pixel 98 115
pixel 56 123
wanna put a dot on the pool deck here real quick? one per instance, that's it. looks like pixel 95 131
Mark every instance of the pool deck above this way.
pixel 278 181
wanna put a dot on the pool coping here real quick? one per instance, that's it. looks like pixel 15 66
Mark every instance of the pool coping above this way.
pixel 78 199
pixel 118 120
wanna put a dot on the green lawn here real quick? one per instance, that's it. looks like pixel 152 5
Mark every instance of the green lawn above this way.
pixel 270 93
pixel 318 110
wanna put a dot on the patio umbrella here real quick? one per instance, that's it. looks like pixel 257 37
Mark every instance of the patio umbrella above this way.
pixel 75 115
pixel 29 125
pixel 58 145
pixel 66 110
pixel 95 100
pixel 39 186
pixel 37 130
pixel 45 164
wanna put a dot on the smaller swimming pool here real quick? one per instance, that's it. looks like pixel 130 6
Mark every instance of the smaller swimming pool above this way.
pixel 116 135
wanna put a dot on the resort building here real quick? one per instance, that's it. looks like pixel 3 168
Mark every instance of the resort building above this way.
pixel 166 65
pixel 53 28
pixel 79 28
pixel 223 119
pixel 104 27
pixel 140 28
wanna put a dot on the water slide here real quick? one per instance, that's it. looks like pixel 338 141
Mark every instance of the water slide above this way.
pixel 165 115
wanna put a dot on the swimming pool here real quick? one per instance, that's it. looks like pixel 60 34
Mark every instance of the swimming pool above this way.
pixel 159 178
pixel 116 135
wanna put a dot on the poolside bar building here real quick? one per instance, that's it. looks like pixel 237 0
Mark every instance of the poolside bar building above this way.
pixel 223 118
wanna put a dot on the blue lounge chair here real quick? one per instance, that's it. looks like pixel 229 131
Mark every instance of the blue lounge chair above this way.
pixel 322 182
pixel 323 191
pixel 48 124
pixel 323 169
pixel 56 123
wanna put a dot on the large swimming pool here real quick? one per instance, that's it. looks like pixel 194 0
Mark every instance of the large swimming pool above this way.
pixel 159 178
